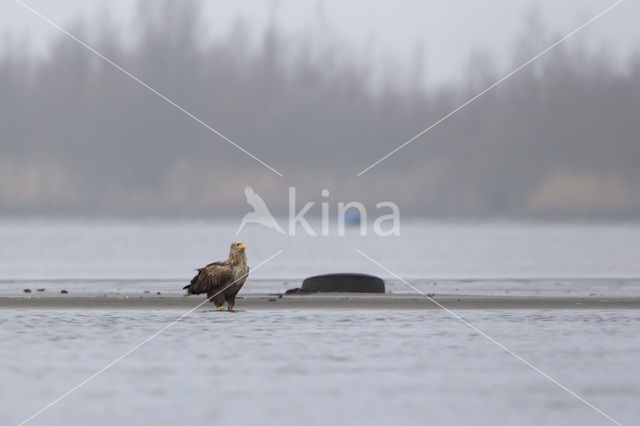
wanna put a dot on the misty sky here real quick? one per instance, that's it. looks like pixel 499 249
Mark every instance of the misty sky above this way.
pixel 394 33
pixel 321 90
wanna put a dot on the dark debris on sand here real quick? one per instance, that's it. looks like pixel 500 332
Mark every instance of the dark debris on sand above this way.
pixel 298 290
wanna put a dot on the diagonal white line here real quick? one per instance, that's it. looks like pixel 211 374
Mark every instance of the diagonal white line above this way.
pixel 135 348
pixel 145 85
pixel 491 339
pixel 492 86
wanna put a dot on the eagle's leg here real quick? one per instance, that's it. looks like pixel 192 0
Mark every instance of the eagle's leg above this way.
pixel 231 300
pixel 217 299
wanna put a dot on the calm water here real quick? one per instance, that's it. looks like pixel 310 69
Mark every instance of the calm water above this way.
pixel 318 366
pixel 155 249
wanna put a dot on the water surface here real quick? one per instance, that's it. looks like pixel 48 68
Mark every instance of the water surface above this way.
pixel 341 366
pixel 319 367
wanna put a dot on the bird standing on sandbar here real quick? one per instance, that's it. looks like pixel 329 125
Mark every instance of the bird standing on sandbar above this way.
pixel 222 280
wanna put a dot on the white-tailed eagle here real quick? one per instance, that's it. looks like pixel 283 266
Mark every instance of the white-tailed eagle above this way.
pixel 222 280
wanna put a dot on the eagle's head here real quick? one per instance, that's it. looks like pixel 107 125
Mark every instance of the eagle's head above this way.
pixel 236 251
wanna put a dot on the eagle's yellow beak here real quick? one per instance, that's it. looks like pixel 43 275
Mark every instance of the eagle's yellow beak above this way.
pixel 243 246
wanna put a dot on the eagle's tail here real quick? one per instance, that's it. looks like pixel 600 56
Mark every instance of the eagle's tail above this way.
pixel 187 288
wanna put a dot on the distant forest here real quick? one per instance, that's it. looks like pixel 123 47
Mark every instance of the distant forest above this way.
pixel 559 139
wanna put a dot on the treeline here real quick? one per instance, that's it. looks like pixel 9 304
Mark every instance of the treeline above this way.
pixel 560 138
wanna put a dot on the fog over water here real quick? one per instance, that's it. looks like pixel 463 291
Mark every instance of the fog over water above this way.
pixel 559 139
pixel 518 215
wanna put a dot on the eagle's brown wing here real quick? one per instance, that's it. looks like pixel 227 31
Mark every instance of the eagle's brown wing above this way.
pixel 212 278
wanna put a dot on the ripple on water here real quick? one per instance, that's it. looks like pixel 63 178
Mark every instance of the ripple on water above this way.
pixel 339 359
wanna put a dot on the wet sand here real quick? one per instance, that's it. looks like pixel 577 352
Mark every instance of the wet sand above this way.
pixel 315 301
pixel 269 294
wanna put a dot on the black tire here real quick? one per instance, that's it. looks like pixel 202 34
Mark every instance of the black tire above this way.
pixel 338 283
